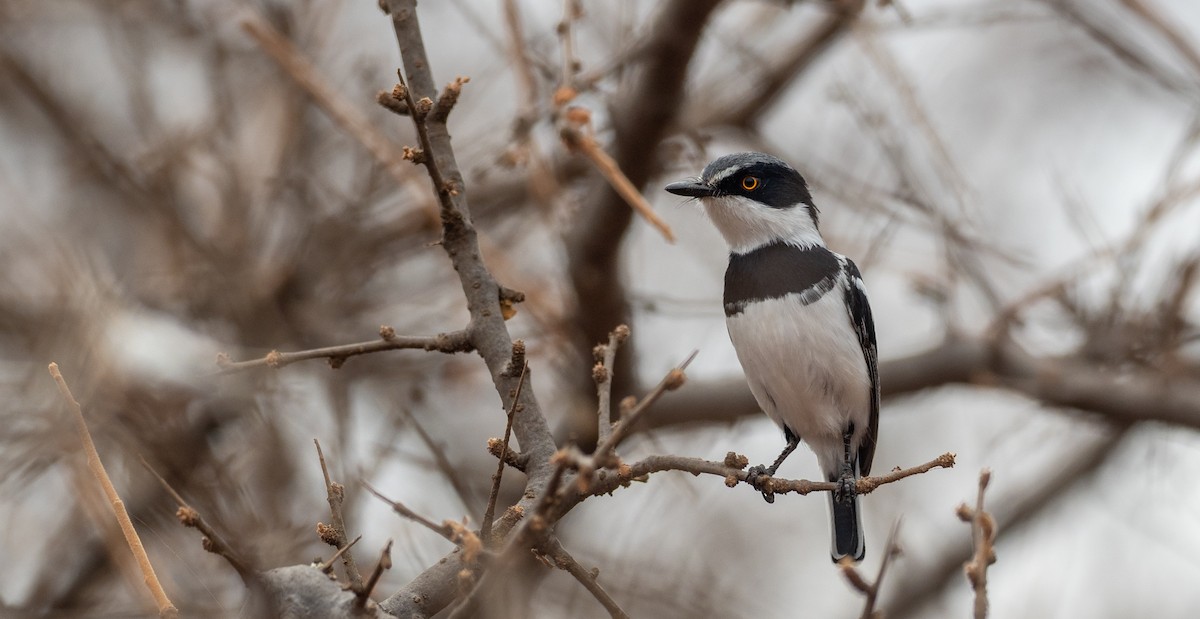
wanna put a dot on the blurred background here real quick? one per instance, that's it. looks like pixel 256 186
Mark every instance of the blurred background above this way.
pixel 1017 179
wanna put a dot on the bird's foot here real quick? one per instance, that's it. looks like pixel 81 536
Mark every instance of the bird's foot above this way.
pixel 758 477
pixel 846 487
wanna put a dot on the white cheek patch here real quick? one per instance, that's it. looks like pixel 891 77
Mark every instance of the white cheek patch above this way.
pixel 747 224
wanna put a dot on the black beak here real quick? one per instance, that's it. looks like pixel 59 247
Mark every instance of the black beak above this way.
pixel 691 188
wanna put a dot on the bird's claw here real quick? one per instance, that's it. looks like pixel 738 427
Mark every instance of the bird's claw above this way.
pixel 757 477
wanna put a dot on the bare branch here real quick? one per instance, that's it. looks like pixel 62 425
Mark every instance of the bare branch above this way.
pixel 444 465
pixel 563 560
pixel 871 589
pixel 363 592
pixel 732 469
pixel 165 607
pixel 983 532
pixel 602 372
pixel 335 533
pixel 580 142
pixel 485 527
pixel 672 381
pixel 212 542
pixel 454 342
pixel 353 121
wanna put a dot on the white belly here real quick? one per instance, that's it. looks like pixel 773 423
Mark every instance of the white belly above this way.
pixel 806 369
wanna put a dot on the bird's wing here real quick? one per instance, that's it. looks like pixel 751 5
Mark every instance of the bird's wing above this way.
pixel 864 325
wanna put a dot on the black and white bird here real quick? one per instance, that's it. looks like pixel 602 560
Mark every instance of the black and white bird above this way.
pixel 798 317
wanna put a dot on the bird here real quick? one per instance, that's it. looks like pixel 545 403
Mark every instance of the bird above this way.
pixel 800 322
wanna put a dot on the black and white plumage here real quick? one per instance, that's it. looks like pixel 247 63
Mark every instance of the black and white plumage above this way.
pixel 799 319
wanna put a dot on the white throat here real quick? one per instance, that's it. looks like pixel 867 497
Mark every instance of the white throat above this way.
pixel 748 225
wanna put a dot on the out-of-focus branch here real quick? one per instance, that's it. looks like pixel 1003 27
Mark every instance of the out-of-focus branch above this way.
pixel 165 607
pixel 870 590
pixel 453 342
pixel 983 536
pixel 917 586
pixel 580 142
pixel 1167 30
pixel 563 560
pixel 1124 395
pixel 300 69
pixel 642 114
pixel 792 63
pixel 213 542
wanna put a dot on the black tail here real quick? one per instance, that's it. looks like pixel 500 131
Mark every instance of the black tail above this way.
pixel 847 528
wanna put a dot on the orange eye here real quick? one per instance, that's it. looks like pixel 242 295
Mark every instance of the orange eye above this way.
pixel 750 183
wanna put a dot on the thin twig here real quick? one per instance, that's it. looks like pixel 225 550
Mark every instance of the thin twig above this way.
pixel 327 566
pixel 212 542
pixel 577 141
pixel 563 560
pixel 165 607
pixel 519 541
pixel 871 589
pixel 335 533
pixel 402 509
pixel 485 527
pixel 456 533
pixel 443 462
pixel 453 342
pixel 602 372
pixel 363 592
pixel 304 73
pixel 672 381
pixel 983 532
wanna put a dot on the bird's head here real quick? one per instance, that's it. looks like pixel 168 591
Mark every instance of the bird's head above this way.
pixel 754 199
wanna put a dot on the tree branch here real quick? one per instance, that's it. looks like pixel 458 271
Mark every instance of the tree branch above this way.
pixel 454 342
pixel 165 607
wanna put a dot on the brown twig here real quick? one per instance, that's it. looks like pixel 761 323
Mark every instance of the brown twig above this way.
pixel 327 566
pixel 453 342
pixel 983 533
pixel 362 593
pixel 579 142
pixel 444 465
pixel 871 589
pixel 402 509
pixel 212 542
pixel 732 469
pixel 632 414
pixel 304 73
pixel 165 607
pixel 485 527
pixel 552 547
pixel 531 527
pixel 602 372
pixel 572 11
pixel 334 534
